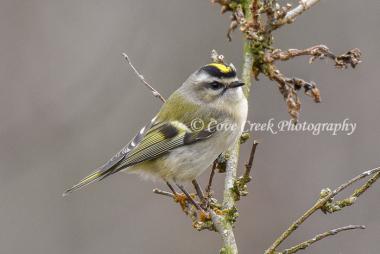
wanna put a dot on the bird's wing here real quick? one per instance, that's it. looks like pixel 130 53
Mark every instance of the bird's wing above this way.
pixel 129 147
pixel 151 142
pixel 161 139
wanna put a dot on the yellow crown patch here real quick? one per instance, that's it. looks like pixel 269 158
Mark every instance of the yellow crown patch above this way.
pixel 221 67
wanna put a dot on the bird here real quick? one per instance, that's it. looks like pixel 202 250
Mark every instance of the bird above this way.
pixel 202 119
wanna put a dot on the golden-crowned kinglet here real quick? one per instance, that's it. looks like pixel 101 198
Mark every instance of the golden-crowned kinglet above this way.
pixel 199 121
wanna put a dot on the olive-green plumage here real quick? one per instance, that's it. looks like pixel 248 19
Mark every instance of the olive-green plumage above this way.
pixel 172 147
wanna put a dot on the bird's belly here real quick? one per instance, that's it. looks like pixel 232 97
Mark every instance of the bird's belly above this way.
pixel 187 163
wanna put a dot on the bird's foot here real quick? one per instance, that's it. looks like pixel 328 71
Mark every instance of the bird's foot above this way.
pixel 190 198
pixel 200 194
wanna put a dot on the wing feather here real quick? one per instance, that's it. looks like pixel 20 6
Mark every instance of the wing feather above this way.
pixel 152 141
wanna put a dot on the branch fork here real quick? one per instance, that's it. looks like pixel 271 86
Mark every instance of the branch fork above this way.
pixel 326 204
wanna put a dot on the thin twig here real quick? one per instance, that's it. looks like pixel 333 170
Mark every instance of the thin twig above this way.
pixel 248 165
pixel 255 15
pixel 359 191
pixel 164 193
pixel 245 26
pixel 333 206
pixel 141 77
pixel 318 51
pixel 351 57
pixel 289 86
pixel 326 196
pixel 288 92
pixel 240 186
pixel 306 244
pixel 292 14
pixel 357 178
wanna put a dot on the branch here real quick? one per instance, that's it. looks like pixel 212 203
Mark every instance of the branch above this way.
pixel 290 16
pixel 325 198
pixel 240 185
pixel 352 57
pixel 141 77
pixel 224 223
pixel 289 86
pixel 257 20
pixel 224 228
pixel 306 244
pixel 334 206
pixel 248 27
pixel 164 193
pixel 231 172
pixel 249 164
pixel 254 8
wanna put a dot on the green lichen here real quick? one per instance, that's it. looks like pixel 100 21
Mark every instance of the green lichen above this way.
pixel 202 225
pixel 235 192
pixel 244 137
pixel 231 215
pixel 226 250
pixel 240 188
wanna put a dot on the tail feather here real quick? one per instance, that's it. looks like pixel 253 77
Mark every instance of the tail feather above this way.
pixel 95 176
pixel 100 173
pixel 114 164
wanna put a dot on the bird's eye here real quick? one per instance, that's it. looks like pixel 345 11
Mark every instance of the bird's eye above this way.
pixel 216 85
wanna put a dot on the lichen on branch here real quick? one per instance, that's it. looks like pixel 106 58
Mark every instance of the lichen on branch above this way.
pixel 257 19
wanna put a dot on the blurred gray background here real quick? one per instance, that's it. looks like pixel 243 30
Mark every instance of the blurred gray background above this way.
pixel 68 101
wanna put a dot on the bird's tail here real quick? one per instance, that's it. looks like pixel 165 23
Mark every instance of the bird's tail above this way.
pixel 95 176
pixel 109 168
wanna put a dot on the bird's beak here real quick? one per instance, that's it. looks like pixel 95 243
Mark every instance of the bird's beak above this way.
pixel 236 84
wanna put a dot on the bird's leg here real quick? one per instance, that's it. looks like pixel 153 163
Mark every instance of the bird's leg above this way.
pixel 208 188
pixel 178 197
pixel 212 174
pixel 171 188
pixel 188 196
pixel 199 191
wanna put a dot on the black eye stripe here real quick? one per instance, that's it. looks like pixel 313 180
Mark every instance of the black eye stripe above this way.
pixel 215 85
